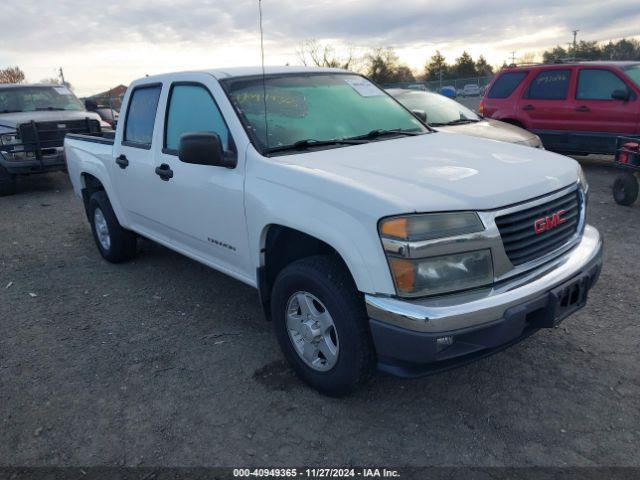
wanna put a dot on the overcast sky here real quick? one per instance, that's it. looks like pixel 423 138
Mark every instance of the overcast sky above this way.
pixel 103 43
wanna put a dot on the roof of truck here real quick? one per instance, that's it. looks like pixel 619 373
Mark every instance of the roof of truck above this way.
pixel 235 72
pixel 271 70
pixel 24 85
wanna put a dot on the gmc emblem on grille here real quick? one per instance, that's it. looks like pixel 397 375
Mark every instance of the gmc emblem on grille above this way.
pixel 545 224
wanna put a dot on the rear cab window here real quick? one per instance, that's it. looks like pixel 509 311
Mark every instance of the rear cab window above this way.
pixel 141 116
pixel 505 84
pixel 549 85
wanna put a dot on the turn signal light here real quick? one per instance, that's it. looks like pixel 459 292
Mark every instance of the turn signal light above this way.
pixel 395 228
pixel 403 273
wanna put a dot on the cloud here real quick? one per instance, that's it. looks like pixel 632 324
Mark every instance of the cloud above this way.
pixel 161 35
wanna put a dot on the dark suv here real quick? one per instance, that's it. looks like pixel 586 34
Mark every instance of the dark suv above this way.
pixel 575 108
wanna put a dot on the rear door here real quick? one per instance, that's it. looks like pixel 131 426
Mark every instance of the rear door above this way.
pixel 545 103
pixel 134 163
pixel 597 112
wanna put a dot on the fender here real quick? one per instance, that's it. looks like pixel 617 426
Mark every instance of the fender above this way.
pixel 355 241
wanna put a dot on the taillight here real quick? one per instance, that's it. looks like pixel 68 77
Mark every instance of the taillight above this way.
pixel 627 151
pixel 481 107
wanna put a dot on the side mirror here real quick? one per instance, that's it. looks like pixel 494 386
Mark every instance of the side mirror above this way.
pixel 621 94
pixel 420 115
pixel 204 148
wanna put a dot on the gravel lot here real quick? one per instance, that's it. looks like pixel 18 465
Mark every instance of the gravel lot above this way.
pixel 165 362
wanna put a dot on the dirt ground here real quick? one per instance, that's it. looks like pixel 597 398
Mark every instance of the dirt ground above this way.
pixel 165 362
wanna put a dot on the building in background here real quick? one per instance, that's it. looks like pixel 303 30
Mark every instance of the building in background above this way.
pixel 111 98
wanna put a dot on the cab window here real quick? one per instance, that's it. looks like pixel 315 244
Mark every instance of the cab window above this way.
pixel 549 85
pixel 141 116
pixel 596 84
pixel 192 109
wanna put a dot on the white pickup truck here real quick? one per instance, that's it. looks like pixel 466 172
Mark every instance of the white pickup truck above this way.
pixel 372 240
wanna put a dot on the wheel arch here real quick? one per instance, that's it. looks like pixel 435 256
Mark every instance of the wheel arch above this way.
pixel 91 182
pixel 280 245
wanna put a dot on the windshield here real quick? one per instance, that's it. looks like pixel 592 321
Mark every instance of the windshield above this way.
pixel 321 108
pixel 31 99
pixel 633 72
pixel 440 110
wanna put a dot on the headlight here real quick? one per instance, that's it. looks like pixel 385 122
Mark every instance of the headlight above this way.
pixel 9 139
pixel 442 274
pixel 414 274
pixel 426 227
pixel 536 142
pixel 582 180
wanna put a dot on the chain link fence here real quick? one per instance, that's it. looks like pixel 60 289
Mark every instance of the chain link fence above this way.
pixel 436 85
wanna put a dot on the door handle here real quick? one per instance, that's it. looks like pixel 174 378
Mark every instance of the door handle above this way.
pixel 122 161
pixel 164 172
pixel 528 107
pixel 582 108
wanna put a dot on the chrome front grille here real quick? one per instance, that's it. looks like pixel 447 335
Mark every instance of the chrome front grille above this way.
pixel 537 231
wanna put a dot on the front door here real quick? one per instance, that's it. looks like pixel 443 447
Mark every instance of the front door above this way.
pixel 202 205
pixel 597 114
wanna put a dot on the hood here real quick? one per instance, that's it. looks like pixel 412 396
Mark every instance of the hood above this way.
pixel 12 120
pixel 493 130
pixel 427 173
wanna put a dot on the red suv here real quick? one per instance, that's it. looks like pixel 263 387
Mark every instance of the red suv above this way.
pixel 575 108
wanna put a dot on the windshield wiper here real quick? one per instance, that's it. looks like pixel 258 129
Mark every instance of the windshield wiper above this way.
pixel 382 133
pixel 310 142
pixel 10 111
pixel 40 109
pixel 460 121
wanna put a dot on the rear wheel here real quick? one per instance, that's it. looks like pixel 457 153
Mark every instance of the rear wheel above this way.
pixel 322 326
pixel 116 244
pixel 625 189
pixel 7 182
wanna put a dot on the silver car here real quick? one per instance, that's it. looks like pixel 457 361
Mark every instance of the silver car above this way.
pixel 442 113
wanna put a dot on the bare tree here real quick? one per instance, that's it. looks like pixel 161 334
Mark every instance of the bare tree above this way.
pixel 51 81
pixel 56 81
pixel 314 53
pixel 12 75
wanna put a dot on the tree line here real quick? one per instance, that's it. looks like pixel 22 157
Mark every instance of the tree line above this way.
pixel 384 66
pixel 625 49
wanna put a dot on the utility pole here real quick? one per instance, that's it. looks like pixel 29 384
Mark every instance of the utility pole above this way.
pixel 575 45
pixel 513 58
pixel 62 76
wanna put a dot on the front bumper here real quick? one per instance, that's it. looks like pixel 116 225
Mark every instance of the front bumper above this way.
pixel 18 164
pixel 480 323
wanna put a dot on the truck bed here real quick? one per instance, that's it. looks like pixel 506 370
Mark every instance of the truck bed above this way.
pixel 106 137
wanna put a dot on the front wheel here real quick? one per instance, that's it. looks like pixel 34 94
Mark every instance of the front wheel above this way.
pixel 115 243
pixel 321 325
pixel 625 189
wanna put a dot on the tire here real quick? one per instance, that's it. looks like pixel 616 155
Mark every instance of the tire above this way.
pixel 119 244
pixel 7 182
pixel 325 279
pixel 625 189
